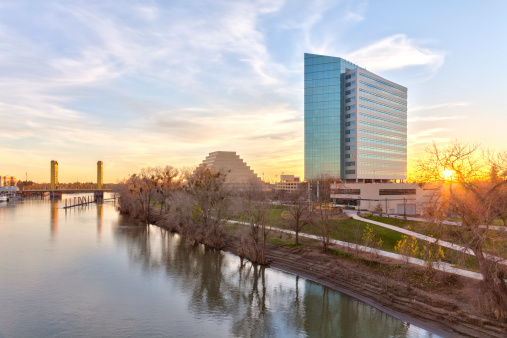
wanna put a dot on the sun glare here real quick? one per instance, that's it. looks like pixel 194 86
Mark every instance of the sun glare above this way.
pixel 448 174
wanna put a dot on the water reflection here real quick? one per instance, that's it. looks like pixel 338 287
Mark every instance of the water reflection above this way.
pixel 53 224
pixel 258 301
pixel 100 219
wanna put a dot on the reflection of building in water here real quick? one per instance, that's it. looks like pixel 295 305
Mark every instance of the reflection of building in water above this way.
pixel 100 218
pixel 331 314
pixel 54 218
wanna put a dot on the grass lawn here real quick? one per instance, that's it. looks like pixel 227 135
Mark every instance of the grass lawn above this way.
pixel 496 242
pixel 351 230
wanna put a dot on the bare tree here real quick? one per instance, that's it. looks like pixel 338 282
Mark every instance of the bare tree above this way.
pixel 137 194
pixel 169 180
pixel 298 207
pixel 255 206
pixel 466 190
pixel 323 211
pixel 210 198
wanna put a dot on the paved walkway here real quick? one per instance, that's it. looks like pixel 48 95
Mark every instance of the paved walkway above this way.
pixel 446 267
pixel 446 244
pixel 420 219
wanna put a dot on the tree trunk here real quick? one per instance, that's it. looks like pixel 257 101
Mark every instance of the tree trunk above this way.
pixel 494 284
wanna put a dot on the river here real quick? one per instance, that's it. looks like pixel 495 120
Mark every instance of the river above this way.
pixel 89 272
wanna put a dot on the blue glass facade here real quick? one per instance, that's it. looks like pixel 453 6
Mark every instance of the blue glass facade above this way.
pixel 324 102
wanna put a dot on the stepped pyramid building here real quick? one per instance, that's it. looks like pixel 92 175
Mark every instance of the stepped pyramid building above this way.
pixel 229 163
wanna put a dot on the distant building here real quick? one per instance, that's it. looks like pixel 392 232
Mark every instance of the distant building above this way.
pixel 288 183
pixel 228 162
pixel 8 181
pixel 355 123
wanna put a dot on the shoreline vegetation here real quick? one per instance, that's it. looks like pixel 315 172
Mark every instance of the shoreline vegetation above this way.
pixel 199 203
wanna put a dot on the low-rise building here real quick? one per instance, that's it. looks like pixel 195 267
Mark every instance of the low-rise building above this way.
pixel 392 198
pixel 288 183
pixel 8 181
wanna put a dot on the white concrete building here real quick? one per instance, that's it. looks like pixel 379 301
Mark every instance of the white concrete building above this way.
pixel 394 198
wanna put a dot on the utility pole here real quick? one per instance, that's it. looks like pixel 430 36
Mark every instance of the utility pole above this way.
pixel 405 209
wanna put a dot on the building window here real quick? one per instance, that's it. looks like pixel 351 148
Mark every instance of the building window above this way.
pixel 350 99
pixel 350 147
pixel 350 139
pixel 350 164
pixel 348 124
pixel 350 172
pixel 349 191
pixel 348 116
pixel 350 91
pixel 387 192
pixel 350 107
pixel 350 76
pixel 348 84
pixel 350 131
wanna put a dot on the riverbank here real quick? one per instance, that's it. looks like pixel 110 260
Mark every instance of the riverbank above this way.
pixel 439 302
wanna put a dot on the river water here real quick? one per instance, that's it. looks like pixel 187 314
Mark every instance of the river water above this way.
pixel 89 272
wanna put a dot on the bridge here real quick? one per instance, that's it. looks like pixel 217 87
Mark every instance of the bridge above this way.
pixel 54 189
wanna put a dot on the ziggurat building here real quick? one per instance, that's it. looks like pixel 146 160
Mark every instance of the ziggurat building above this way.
pixel 229 163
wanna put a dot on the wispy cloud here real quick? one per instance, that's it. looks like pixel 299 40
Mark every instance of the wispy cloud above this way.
pixel 434 118
pixel 398 52
pixel 438 106
pixel 157 83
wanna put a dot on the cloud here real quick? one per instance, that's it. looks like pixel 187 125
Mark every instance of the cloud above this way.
pixel 438 106
pixel 434 118
pixel 423 137
pixel 397 52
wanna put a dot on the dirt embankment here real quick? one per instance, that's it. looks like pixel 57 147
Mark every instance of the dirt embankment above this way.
pixel 441 303
pixel 445 305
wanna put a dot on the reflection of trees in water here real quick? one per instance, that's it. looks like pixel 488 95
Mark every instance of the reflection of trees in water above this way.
pixel 330 313
pixel 226 287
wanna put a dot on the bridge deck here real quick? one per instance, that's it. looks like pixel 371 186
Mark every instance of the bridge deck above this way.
pixel 70 190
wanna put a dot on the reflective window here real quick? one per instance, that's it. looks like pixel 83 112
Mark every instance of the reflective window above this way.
pixel 383 83
pixel 383 112
pixel 350 164
pixel 369 85
pixel 381 134
pixel 383 157
pixel 383 150
pixel 384 98
pixel 380 119
pixel 404 111
pixel 387 143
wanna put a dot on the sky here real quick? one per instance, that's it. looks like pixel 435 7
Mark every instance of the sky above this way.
pixel 148 83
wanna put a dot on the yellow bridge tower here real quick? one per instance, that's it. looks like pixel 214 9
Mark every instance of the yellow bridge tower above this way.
pixel 54 175
pixel 100 177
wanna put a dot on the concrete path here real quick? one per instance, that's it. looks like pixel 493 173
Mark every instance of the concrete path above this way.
pixel 446 267
pixel 446 244
pixel 420 219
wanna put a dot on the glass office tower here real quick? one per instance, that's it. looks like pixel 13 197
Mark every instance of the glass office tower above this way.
pixel 355 123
